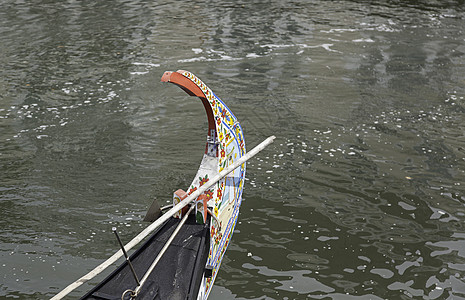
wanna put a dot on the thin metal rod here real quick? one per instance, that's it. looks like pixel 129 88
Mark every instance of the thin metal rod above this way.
pixel 126 256
pixel 163 250
pixel 144 233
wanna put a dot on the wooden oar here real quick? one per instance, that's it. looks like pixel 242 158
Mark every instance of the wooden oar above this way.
pixel 163 218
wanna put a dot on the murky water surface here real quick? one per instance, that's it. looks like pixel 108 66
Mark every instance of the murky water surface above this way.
pixel 362 196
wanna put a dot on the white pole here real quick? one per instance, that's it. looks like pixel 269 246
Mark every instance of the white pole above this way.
pixel 162 251
pixel 162 219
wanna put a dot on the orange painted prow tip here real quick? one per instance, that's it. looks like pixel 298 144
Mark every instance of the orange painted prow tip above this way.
pixel 183 82
pixel 166 76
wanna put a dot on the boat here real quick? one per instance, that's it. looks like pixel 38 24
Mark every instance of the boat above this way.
pixel 182 257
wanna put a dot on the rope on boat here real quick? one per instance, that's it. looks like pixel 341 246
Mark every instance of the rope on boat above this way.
pixel 144 233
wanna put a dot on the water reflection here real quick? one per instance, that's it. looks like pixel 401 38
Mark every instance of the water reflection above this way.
pixel 360 197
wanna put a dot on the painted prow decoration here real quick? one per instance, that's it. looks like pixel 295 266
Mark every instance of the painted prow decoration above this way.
pixel 181 259
pixel 225 145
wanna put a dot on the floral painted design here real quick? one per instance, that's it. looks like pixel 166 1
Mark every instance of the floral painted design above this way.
pixel 225 197
pixel 203 180
pixel 192 189
pixel 209 194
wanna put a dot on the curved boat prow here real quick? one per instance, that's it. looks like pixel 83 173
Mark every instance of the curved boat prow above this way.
pixel 182 257
pixel 225 145
pixel 219 116
pixel 192 89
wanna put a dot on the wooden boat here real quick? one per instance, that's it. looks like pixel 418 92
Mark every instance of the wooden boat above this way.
pixel 182 257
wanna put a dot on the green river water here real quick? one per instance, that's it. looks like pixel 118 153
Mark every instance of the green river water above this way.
pixel 361 196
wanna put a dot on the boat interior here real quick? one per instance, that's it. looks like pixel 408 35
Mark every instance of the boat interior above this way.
pixel 176 276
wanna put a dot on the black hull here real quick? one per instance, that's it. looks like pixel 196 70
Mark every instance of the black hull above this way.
pixel 178 273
